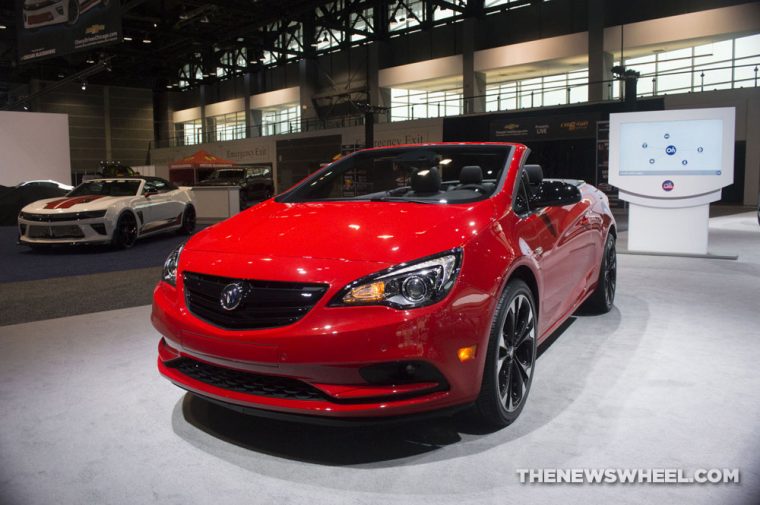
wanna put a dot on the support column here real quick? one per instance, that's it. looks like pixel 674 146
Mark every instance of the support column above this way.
pixel 377 96
pixel 599 62
pixel 163 130
pixel 307 80
pixel 247 105
pixel 107 122
pixel 474 83
pixel 202 93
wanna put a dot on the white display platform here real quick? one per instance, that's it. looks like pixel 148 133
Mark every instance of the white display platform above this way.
pixel 681 230
pixel 669 166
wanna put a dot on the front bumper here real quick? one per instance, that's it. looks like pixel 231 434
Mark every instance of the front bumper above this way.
pixel 327 354
pixel 84 231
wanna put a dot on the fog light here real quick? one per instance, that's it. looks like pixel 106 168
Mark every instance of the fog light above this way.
pixel 467 353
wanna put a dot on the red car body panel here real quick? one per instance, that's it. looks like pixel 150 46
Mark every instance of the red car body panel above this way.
pixel 336 243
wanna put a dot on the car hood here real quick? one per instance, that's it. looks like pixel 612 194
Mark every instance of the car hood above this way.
pixel 72 204
pixel 382 232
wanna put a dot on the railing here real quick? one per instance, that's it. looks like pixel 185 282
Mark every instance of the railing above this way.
pixel 490 102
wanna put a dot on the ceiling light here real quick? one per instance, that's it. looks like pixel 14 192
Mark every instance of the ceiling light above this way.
pixel 26 105
pixel 155 25
pixel 168 86
pixel 61 76
pixel 240 39
pixel 126 38
pixel 3 27
pixel 147 41
pixel 84 85
pixel 90 61
pixel 204 19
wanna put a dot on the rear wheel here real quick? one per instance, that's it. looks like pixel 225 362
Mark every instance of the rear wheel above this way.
pixel 188 221
pixel 601 300
pixel 511 358
pixel 125 234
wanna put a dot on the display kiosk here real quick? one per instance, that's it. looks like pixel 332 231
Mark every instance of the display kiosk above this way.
pixel 669 166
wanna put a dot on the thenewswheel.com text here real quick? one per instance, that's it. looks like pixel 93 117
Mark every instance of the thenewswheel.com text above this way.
pixel 627 476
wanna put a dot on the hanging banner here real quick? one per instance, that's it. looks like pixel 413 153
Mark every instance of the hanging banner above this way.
pixel 50 28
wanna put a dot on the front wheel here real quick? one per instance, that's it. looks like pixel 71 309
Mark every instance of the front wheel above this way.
pixel 511 358
pixel 73 12
pixel 125 234
pixel 601 300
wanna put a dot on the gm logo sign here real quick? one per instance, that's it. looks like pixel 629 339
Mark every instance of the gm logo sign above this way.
pixel 670 150
pixel 668 185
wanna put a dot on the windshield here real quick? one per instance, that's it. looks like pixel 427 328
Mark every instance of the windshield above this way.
pixel 107 188
pixel 227 174
pixel 425 174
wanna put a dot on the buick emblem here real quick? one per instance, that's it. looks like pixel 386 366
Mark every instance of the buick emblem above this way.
pixel 231 296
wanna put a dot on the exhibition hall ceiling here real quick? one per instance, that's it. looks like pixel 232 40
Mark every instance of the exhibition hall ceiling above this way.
pixel 171 44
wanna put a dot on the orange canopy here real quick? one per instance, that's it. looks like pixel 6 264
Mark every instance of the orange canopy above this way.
pixel 201 159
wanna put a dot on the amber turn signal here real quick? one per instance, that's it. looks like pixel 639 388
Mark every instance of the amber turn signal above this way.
pixel 467 353
pixel 374 292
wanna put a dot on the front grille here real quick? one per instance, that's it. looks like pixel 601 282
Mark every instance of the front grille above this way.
pixel 265 304
pixel 246 382
pixel 67 216
pixel 71 231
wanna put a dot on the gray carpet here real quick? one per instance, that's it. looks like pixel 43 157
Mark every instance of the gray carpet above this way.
pixel 26 301
pixel 668 379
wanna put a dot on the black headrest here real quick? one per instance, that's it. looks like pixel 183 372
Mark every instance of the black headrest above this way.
pixel 535 174
pixel 472 174
pixel 426 180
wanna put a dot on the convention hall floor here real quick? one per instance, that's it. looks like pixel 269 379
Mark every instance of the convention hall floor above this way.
pixel 669 379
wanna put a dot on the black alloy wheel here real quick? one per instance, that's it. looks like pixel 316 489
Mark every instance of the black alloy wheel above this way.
pixel 125 234
pixel 511 358
pixel 603 297
pixel 73 12
pixel 188 221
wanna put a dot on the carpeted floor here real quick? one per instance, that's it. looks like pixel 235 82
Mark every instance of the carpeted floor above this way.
pixel 668 379
pixel 19 263
pixel 26 301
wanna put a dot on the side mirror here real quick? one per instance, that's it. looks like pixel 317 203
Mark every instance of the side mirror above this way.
pixel 555 194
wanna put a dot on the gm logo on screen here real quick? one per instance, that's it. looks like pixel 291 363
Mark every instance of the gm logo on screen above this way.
pixel 668 185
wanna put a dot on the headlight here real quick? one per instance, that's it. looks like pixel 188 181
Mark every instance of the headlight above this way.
pixel 169 273
pixel 409 285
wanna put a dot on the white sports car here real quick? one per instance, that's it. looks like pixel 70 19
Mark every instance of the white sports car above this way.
pixel 116 211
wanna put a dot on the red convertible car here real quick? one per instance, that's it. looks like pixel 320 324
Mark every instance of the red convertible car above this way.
pixel 395 281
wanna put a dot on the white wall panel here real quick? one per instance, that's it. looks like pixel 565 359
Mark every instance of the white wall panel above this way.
pixel 34 146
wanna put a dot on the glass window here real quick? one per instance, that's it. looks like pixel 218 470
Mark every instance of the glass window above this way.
pixel 419 104
pixel 189 132
pixel 405 14
pixel 284 119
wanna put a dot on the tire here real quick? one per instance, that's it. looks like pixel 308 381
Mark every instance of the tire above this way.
pixel 125 233
pixel 73 12
pixel 188 221
pixel 510 360
pixel 603 297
